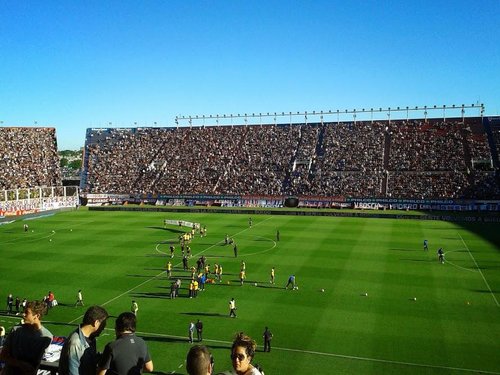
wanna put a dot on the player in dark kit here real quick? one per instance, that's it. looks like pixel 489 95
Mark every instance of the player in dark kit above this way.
pixel 440 255
pixel 267 335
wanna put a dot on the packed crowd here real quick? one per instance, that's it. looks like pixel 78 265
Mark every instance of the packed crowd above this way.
pixel 414 159
pixel 204 160
pixel 28 158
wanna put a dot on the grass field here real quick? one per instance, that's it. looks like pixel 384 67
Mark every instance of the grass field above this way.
pixel 453 326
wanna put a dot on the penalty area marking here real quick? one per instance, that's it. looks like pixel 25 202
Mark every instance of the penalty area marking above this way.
pixel 479 269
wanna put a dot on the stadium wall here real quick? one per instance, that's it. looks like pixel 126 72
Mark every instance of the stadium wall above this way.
pixel 300 202
pixel 385 215
pixel 21 202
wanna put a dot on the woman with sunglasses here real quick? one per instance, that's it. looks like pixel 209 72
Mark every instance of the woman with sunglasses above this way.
pixel 242 353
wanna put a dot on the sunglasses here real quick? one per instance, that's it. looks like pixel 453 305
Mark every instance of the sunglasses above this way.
pixel 238 356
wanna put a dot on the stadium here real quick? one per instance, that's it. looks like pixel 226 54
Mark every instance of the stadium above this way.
pixel 342 200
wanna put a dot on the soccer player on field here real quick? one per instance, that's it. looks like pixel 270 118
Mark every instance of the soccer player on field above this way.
pixel 172 248
pixel 272 276
pixel 242 277
pixel 169 269
pixel 232 308
pixel 440 255
pixel 220 272
pixel 134 308
pixel 216 271
pixel 426 245
pixel 291 281
pixel 207 269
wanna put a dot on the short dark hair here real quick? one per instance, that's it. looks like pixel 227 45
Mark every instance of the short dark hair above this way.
pixel 246 342
pixel 126 321
pixel 198 359
pixel 94 313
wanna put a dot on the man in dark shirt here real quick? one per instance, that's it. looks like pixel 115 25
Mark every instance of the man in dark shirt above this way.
pixel 267 335
pixel 128 354
pixel 199 330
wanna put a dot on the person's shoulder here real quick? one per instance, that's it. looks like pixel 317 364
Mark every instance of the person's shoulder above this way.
pixel 74 336
pixel 45 332
pixel 17 327
pixel 255 371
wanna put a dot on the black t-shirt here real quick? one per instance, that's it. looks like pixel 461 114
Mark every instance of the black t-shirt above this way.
pixel 126 355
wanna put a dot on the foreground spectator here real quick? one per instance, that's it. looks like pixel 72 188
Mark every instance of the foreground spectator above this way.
pixel 199 361
pixel 128 354
pixel 242 353
pixel 25 345
pixel 79 353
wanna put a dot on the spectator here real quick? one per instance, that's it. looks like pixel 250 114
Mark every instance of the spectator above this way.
pixel 79 353
pixel 128 354
pixel 25 345
pixel 199 330
pixel 199 361
pixel 242 354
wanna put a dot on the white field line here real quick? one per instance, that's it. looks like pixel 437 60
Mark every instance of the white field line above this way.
pixel 456 265
pixel 481 272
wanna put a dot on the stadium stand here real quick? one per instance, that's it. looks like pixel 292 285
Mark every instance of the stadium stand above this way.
pixel 30 175
pixel 417 159
pixel 29 158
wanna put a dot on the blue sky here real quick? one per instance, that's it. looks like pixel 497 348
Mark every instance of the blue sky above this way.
pixel 80 64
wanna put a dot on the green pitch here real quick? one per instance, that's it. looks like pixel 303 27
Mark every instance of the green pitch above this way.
pixel 419 316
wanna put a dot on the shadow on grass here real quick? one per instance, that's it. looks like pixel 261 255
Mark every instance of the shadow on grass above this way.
pixel 270 286
pixel 165 339
pixel 487 291
pixel 151 295
pixel 167 229
pixel 204 314
pixel 211 256
pixel 398 249
pixel 144 276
